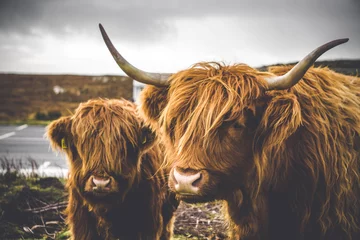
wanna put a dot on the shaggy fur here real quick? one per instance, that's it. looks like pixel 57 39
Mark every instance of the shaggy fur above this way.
pixel 287 163
pixel 106 138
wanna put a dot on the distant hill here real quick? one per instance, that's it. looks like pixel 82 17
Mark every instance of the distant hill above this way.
pixel 348 67
pixel 45 97
pixel 25 97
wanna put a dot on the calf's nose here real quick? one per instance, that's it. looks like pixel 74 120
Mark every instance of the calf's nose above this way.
pixel 186 182
pixel 101 182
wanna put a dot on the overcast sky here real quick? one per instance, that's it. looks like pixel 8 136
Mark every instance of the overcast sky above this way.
pixel 48 36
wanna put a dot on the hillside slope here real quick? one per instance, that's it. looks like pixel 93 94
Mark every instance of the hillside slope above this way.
pixel 26 97
pixel 42 97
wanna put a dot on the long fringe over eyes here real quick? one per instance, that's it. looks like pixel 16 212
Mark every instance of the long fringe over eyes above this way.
pixel 104 132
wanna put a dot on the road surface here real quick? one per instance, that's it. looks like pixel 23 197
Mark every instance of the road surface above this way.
pixel 21 145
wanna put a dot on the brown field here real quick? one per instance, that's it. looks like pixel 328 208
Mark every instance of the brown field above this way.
pixel 45 97
pixel 26 97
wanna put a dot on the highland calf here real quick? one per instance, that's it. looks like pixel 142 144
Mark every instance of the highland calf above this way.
pixel 116 190
pixel 281 147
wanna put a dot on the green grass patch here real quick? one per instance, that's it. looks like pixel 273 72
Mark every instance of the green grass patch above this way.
pixel 23 201
pixel 29 122
pixel 31 207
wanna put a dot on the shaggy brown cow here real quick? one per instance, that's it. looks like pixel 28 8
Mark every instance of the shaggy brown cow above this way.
pixel 283 155
pixel 116 190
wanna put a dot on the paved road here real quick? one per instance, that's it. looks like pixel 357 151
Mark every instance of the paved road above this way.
pixel 19 144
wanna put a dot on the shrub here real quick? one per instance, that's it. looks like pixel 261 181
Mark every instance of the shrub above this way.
pixel 52 115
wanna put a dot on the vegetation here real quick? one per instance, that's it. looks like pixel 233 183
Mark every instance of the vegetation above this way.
pixel 31 207
pixel 51 115
pixel 44 97
pixel 21 122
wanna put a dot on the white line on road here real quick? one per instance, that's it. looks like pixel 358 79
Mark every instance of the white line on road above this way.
pixel 7 135
pixel 21 127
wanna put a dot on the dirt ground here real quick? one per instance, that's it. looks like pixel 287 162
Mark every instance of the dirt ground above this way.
pixel 200 221
pixel 31 208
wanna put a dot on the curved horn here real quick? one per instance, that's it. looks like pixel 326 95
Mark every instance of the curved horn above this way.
pixel 157 79
pixel 298 71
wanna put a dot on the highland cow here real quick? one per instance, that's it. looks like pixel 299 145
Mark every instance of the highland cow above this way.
pixel 281 147
pixel 116 187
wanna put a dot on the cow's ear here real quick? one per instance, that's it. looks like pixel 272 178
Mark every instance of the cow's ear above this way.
pixel 152 102
pixel 59 133
pixel 281 119
pixel 148 138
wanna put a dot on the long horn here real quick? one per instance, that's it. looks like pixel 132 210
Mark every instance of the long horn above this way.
pixel 157 79
pixel 298 71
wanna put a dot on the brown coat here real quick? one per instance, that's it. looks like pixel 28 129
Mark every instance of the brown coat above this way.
pixel 116 190
pixel 286 162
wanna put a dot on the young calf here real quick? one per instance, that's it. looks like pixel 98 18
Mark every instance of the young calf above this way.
pixel 116 186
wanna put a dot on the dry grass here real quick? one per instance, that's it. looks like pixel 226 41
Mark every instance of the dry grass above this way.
pixel 26 96
pixel 31 207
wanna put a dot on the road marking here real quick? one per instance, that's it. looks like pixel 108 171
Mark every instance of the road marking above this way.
pixel 7 135
pixel 21 127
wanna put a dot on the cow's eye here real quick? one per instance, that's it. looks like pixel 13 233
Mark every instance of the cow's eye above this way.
pixel 238 125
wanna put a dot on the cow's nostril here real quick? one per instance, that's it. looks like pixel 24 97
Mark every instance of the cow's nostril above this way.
pixel 197 181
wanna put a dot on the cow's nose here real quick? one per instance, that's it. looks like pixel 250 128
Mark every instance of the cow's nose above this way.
pixel 101 182
pixel 186 182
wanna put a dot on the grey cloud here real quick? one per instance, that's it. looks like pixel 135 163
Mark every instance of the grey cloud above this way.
pixel 151 20
pixel 271 26
pixel 68 17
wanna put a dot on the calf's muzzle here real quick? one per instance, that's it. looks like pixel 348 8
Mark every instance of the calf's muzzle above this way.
pixel 100 183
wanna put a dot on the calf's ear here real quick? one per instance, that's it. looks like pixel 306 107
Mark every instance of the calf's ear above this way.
pixel 152 102
pixel 59 133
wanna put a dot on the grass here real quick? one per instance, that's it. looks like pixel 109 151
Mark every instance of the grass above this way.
pixel 31 207
pixel 23 198
pixel 182 237
pixel 29 122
